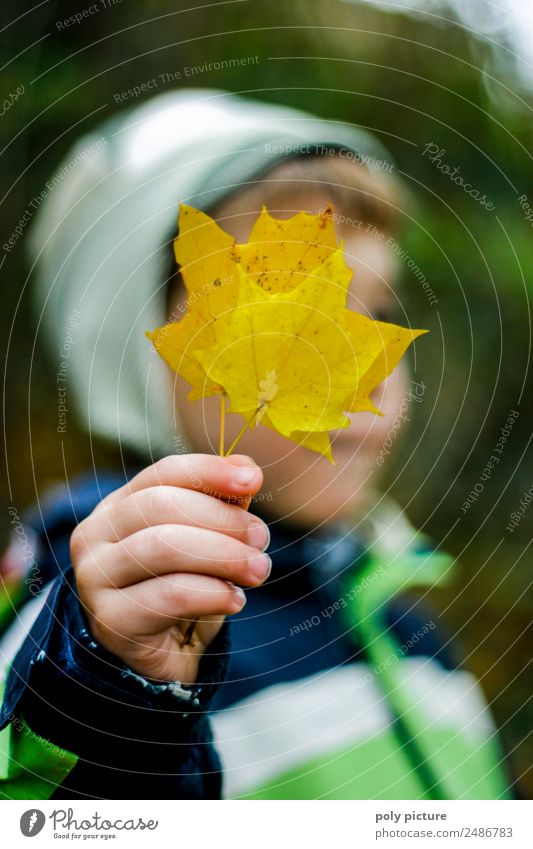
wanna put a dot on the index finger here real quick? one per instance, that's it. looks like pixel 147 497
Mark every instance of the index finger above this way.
pixel 234 478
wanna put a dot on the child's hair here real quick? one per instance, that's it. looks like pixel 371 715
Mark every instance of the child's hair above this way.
pixel 360 197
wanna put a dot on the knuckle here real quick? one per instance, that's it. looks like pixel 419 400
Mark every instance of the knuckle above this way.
pixel 160 501
pixel 102 620
pixel 226 518
pixel 166 466
pixel 195 468
pixel 233 555
pixel 157 543
pixel 78 541
pixel 105 502
pixel 84 579
pixel 174 593
pixel 241 520
pixel 192 469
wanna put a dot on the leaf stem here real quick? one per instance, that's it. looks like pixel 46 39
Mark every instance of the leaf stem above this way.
pixel 241 432
pixel 188 637
pixel 222 421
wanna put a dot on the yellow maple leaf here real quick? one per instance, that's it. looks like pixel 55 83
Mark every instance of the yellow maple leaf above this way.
pixel 206 256
pixel 281 252
pixel 378 347
pixel 278 255
pixel 299 335
pixel 267 326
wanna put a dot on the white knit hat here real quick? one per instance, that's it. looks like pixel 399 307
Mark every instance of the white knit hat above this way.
pixel 101 242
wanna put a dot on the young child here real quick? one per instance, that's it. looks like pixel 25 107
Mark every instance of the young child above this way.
pixel 323 683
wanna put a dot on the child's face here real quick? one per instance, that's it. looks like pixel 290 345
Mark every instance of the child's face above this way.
pixel 300 485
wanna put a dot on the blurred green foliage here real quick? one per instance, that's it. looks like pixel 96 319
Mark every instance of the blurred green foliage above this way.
pixel 413 81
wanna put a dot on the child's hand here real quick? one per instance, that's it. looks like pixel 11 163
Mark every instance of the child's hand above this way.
pixel 165 550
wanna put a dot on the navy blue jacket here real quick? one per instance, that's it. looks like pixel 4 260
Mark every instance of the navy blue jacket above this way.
pixel 135 739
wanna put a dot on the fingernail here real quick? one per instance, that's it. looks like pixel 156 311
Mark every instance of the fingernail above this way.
pixel 258 534
pixel 244 476
pixel 239 596
pixel 260 566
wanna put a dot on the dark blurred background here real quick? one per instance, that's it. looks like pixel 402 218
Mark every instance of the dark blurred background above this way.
pixel 419 77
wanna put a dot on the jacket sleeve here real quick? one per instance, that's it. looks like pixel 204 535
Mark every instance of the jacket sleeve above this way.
pixel 133 738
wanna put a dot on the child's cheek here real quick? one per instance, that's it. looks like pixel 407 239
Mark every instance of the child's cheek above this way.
pixel 390 394
pixel 392 399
